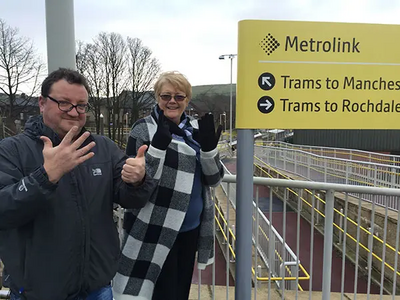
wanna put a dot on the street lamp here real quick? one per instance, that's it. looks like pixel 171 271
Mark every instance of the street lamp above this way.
pixel 101 124
pixel 220 120
pixel 231 57
pixel 127 120
pixel 225 121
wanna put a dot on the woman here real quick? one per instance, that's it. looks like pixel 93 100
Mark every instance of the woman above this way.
pixel 161 240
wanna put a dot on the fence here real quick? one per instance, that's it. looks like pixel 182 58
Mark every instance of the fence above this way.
pixel 334 170
pixel 5 131
pixel 339 275
pixel 351 154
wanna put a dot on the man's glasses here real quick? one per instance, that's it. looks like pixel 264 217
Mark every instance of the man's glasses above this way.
pixel 66 106
pixel 168 97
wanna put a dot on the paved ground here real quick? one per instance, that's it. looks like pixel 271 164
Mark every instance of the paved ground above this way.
pixel 220 271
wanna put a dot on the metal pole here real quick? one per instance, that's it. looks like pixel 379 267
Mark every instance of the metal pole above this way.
pixel 230 104
pixel 328 242
pixel 101 124
pixel 60 34
pixel 2 132
pixel 244 209
pixel 225 122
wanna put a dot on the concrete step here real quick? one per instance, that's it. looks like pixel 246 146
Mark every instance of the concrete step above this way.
pixel 206 293
pixel 220 294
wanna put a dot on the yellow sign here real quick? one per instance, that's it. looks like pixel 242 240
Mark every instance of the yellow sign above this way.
pixel 314 75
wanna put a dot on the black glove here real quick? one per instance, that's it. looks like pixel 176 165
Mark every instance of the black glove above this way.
pixel 162 137
pixel 207 135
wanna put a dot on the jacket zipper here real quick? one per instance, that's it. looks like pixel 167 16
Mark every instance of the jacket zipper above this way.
pixel 80 210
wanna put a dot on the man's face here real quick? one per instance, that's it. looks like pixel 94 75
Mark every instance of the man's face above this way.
pixel 61 122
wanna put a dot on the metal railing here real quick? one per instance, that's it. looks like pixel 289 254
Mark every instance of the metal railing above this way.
pixel 349 281
pixel 4 294
pixel 264 237
pixel 351 154
pixel 333 170
pixel 224 149
pixel 6 132
pixel 369 234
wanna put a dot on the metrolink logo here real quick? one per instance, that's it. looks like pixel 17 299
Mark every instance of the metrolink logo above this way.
pixel 293 43
pixel 269 44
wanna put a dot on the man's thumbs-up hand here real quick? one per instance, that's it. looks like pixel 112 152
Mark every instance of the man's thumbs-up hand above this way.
pixel 133 170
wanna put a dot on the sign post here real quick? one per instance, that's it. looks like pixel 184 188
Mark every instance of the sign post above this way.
pixel 244 212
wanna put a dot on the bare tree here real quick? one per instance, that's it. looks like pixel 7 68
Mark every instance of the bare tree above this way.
pixel 112 49
pixel 20 68
pixel 81 57
pixel 143 69
pixel 89 63
pixel 120 76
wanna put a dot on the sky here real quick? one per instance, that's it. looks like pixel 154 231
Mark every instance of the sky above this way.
pixel 190 35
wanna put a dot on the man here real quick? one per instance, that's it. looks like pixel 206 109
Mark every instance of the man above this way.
pixel 58 184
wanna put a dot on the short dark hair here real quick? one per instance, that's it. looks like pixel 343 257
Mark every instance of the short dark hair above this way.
pixel 71 76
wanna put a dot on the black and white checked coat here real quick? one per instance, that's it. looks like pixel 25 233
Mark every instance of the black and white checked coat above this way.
pixel 150 232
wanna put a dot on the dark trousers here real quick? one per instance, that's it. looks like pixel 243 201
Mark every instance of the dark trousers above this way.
pixel 176 275
pixel 104 293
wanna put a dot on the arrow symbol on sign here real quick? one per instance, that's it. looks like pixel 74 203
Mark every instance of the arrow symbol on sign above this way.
pixel 265 80
pixel 267 105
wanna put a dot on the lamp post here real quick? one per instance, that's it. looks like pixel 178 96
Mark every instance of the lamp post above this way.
pixel 127 120
pixel 220 120
pixel 231 57
pixel 101 124
pixel 60 22
pixel 126 130
pixel 225 121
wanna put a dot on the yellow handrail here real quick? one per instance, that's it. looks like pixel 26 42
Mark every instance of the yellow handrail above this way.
pixel 232 251
pixel 388 246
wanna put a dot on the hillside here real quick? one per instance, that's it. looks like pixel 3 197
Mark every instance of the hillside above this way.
pixel 222 89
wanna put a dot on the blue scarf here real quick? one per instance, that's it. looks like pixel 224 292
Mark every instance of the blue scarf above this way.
pixel 186 128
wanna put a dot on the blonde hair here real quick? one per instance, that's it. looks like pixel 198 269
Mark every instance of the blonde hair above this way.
pixel 177 80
